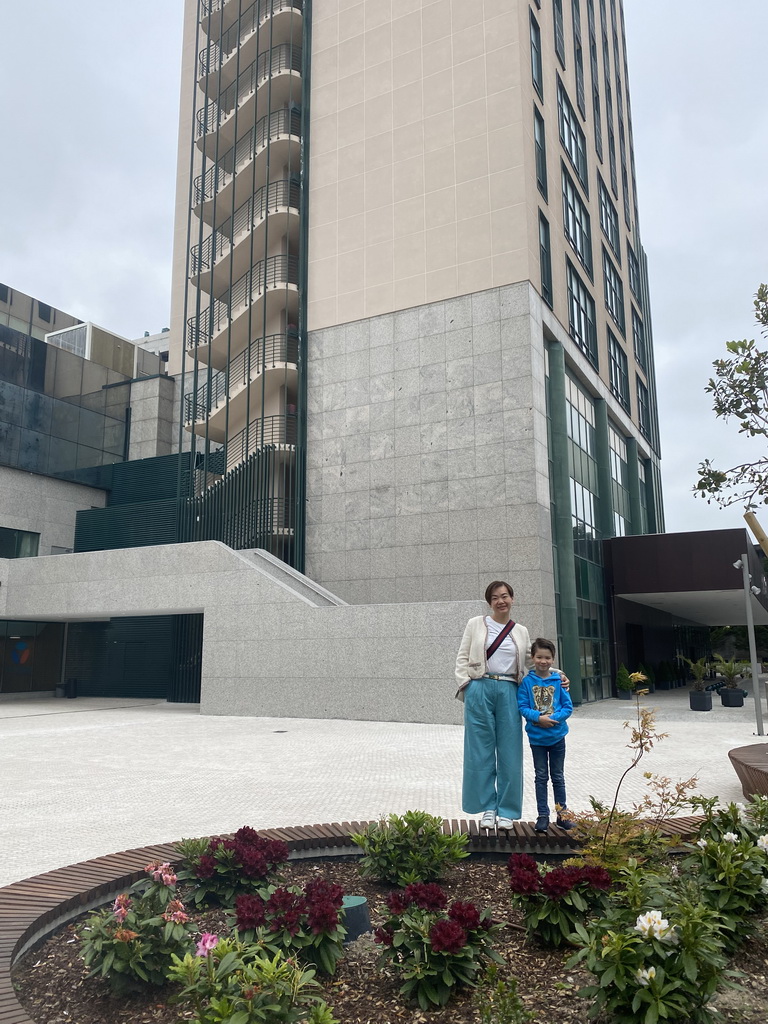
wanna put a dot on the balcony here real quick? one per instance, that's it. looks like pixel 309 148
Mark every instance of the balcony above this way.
pixel 269 287
pixel 273 139
pixel 225 254
pixel 277 353
pixel 216 57
pixel 281 66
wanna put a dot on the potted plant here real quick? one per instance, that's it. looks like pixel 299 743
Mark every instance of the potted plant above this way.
pixel 624 684
pixel 731 695
pixel 699 698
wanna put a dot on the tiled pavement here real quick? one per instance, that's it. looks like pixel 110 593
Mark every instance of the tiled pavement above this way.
pixel 87 777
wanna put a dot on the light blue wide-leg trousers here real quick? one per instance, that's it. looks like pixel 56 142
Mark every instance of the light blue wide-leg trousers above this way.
pixel 493 749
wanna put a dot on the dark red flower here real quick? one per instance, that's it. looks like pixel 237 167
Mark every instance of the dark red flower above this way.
pixel 248 836
pixel 425 895
pixel 522 862
pixel 525 883
pixel 275 851
pixel 384 936
pixel 206 867
pixel 323 916
pixel 465 914
pixel 321 890
pixel 597 877
pixel 250 912
pixel 253 862
pixel 559 882
pixel 447 937
pixel 396 902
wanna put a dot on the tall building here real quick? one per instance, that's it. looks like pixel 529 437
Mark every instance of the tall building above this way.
pixel 413 297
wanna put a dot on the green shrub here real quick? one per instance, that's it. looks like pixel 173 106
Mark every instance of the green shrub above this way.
pixel 218 869
pixel 660 969
pixel 435 948
pixel 498 1001
pixel 132 942
pixel 412 848
pixel 230 982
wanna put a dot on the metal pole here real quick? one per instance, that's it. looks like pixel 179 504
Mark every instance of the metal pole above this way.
pixel 752 647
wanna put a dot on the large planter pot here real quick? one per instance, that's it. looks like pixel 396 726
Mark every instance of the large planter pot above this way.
pixel 732 698
pixel 624 694
pixel 700 700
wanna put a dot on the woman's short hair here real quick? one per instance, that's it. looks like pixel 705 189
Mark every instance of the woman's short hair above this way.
pixel 492 586
pixel 545 645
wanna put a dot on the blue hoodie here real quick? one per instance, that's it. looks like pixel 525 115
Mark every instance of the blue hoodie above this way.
pixel 536 697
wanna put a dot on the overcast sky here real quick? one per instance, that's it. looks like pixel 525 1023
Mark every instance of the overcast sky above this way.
pixel 89 160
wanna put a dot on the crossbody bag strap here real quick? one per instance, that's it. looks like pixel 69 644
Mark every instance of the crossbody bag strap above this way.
pixel 499 640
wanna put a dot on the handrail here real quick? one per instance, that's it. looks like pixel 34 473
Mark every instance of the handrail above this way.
pixel 279 194
pixel 257 357
pixel 269 273
pixel 265 430
pixel 285 57
pixel 267 128
pixel 217 52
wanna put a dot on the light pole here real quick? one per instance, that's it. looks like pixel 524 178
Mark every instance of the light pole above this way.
pixel 748 591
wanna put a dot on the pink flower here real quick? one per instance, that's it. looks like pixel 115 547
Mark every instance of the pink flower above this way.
pixel 208 941
pixel 120 907
pixel 169 879
pixel 175 912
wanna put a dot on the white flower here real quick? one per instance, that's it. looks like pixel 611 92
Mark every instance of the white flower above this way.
pixel 730 837
pixel 645 975
pixel 764 886
pixel 743 813
pixel 653 926
pixel 702 843
pixel 762 842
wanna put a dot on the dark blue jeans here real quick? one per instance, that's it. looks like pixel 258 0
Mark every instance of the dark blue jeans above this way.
pixel 548 763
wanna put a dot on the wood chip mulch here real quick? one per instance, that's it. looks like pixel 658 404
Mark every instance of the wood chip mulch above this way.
pixel 54 988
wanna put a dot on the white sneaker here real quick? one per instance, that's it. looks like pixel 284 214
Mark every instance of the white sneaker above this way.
pixel 505 823
pixel 488 819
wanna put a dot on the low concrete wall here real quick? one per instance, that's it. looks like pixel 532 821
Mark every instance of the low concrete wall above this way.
pixel 268 649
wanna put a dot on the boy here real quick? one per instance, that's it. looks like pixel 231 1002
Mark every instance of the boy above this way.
pixel 545 706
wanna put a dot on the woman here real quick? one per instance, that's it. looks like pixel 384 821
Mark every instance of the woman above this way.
pixel 494 655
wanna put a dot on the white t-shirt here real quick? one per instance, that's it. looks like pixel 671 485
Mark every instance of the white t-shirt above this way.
pixel 503 662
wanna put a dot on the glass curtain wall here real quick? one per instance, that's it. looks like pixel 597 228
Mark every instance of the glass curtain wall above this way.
pixel 590 590
pixel 245 333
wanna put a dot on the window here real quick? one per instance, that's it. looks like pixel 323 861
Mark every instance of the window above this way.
pixel 536 70
pixel 643 409
pixel 3 292
pixel 594 72
pixel 540 146
pixel 44 312
pixel 576 222
pixel 578 57
pixel 18 543
pixel 571 135
pixel 545 255
pixel 581 314
pixel 638 340
pixel 609 218
pixel 634 272
pixel 614 291
pixel 619 371
pixel 625 193
pixel 612 155
pixel 557 10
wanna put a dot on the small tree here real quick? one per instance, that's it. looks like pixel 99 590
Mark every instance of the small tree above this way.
pixel 740 389
pixel 623 680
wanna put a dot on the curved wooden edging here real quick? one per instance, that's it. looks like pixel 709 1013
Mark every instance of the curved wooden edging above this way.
pixel 751 765
pixel 30 910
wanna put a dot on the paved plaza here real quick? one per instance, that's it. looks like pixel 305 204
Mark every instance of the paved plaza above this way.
pixel 92 776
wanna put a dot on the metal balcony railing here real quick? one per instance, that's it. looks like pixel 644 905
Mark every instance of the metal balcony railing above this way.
pixel 277 195
pixel 273 62
pixel 212 56
pixel 261 432
pixel 269 273
pixel 212 6
pixel 268 128
pixel 260 355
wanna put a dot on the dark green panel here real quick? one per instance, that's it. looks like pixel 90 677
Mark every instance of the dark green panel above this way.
pixel 130 657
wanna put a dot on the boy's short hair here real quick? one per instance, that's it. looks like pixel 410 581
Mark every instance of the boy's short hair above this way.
pixel 545 645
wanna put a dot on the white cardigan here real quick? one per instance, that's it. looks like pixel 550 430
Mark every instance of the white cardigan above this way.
pixel 471 661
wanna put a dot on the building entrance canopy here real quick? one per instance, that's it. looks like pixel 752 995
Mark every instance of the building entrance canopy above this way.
pixel 689 575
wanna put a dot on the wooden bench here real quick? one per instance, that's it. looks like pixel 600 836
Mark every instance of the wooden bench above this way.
pixel 751 765
pixel 30 910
